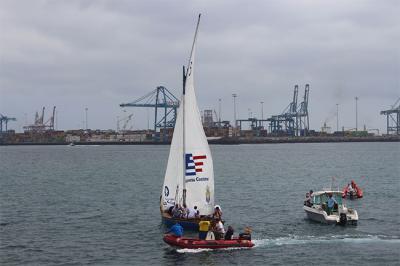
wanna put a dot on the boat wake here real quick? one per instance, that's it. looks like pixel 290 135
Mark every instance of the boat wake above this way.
pixel 296 240
pixel 187 250
pixel 300 240
pixel 84 145
pixel 199 250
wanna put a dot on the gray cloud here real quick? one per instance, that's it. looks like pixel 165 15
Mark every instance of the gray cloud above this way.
pixel 97 54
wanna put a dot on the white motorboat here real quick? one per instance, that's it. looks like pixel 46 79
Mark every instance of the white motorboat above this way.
pixel 317 210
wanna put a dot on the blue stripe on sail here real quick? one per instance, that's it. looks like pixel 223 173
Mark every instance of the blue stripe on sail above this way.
pixel 191 173
pixel 190 167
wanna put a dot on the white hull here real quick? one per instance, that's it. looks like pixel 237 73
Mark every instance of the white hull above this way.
pixel 317 214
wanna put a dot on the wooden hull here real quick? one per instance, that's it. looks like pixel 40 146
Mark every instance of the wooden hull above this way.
pixel 195 243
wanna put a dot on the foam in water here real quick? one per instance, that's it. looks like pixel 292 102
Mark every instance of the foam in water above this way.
pixel 295 240
pixel 187 250
pixel 298 240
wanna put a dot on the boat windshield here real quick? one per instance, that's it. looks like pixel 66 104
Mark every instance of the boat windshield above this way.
pixel 323 198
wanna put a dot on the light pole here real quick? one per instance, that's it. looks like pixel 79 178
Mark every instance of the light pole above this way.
pixel 86 117
pixel 337 117
pixel 234 95
pixel 262 113
pixel 356 98
pixel 26 121
pixel 219 112
pixel 56 121
pixel 148 119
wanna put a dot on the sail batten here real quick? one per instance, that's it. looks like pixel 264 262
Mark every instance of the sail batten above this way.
pixel 190 165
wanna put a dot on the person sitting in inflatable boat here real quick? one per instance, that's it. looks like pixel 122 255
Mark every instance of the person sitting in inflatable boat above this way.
pixel 246 235
pixel 176 230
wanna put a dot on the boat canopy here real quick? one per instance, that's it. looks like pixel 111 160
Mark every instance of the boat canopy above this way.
pixel 322 197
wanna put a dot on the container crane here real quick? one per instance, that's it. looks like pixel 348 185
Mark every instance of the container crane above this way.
pixel 4 120
pixel 393 118
pixel 165 105
pixel 125 121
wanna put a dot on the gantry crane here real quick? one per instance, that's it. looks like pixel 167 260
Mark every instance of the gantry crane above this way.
pixel 165 105
pixel 4 119
pixel 294 120
pixel 393 118
pixel 125 121
pixel 40 125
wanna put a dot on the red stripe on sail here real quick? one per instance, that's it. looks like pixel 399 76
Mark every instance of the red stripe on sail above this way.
pixel 199 157
pixel 198 163
pixel 199 170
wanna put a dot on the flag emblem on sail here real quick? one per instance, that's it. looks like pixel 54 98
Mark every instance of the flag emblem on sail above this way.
pixel 194 163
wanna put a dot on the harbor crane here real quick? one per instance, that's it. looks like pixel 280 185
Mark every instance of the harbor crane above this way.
pixel 294 120
pixel 303 120
pixel 4 120
pixel 125 121
pixel 393 118
pixel 165 106
pixel 40 125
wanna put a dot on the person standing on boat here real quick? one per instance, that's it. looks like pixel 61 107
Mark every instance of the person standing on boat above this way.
pixel 331 204
pixel 350 190
pixel 217 213
pixel 307 200
pixel 176 230
pixel 219 229
pixel 204 226
pixel 355 187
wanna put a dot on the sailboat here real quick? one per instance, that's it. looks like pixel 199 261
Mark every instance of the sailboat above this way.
pixel 189 177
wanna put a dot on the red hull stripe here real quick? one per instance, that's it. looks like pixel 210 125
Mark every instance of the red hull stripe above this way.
pixel 199 157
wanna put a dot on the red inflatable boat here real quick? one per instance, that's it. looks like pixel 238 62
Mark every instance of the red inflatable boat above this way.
pixel 195 243
pixel 358 194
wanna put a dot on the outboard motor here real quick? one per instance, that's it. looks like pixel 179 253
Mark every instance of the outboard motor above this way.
pixel 343 219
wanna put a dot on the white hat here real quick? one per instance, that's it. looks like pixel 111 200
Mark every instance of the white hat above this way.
pixel 218 207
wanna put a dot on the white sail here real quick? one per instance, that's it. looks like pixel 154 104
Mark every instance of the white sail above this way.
pixel 173 180
pixel 190 164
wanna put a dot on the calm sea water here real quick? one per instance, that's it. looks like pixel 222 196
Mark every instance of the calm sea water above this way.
pixel 99 205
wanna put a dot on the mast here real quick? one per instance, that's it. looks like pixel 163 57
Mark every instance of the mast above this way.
pixel 183 140
pixel 189 67
pixel 188 73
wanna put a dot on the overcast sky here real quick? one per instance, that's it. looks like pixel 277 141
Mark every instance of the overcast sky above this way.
pixel 98 54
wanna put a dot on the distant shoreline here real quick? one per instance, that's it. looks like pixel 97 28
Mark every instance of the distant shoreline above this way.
pixel 230 141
